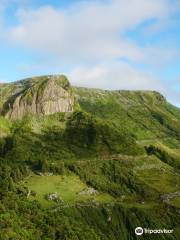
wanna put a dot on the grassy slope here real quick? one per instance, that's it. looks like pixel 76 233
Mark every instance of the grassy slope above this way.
pixel 133 182
pixel 145 114
pixel 67 186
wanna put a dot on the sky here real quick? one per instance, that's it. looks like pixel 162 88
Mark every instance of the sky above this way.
pixel 109 44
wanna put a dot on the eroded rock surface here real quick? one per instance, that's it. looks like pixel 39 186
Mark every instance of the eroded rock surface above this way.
pixel 44 96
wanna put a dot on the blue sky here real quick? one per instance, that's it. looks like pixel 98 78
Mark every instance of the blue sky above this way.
pixel 112 44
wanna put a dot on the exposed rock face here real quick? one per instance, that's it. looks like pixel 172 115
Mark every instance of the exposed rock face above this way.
pixel 88 191
pixel 44 96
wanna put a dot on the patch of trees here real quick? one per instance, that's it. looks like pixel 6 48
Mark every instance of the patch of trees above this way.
pixel 85 132
pixel 164 156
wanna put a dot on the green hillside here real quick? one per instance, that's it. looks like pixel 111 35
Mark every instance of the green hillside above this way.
pixel 96 172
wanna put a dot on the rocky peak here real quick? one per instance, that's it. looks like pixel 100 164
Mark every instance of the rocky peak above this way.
pixel 41 95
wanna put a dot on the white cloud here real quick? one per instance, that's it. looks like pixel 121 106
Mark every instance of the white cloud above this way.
pixel 2 81
pixel 89 31
pixel 121 76
pixel 93 34
pixel 115 76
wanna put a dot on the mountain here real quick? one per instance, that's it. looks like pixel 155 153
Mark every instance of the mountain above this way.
pixel 79 163
pixel 41 95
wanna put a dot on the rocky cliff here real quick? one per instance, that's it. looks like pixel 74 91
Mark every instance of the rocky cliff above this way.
pixel 41 95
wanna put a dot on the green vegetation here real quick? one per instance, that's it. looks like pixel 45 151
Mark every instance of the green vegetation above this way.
pixel 67 186
pixel 145 114
pixel 175 202
pixel 124 145
pixel 5 125
pixel 166 155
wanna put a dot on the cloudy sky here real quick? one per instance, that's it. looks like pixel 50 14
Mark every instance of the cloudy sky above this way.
pixel 110 44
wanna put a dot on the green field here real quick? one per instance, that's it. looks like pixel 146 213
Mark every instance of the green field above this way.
pixel 67 187
pixel 157 175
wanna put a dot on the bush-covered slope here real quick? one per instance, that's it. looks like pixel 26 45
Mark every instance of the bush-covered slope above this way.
pixel 113 162
pixel 146 114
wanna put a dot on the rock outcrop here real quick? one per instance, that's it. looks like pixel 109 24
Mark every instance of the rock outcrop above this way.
pixel 53 197
pixel 43 95
pixel 88 191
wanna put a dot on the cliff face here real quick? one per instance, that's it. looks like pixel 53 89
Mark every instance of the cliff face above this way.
pixel 45 95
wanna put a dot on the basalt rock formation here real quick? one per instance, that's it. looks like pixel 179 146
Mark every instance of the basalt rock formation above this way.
pixel 41 95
